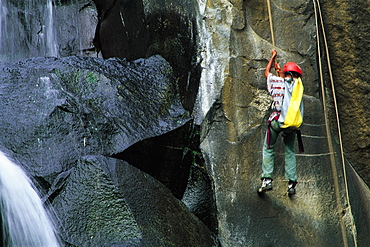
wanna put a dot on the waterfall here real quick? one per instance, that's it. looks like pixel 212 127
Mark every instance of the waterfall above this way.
pixel 25 221
pixel 51 47
pixel 3 14
pixel 27 30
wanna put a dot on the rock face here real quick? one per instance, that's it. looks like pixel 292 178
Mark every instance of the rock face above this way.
pixel 57 111
pixel 233 132
pixel 64 107
pixel 123 206
pixel 347 37
pixel 124 137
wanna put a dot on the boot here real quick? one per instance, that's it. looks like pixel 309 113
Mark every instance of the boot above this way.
pixel 266 185
pixel 291 187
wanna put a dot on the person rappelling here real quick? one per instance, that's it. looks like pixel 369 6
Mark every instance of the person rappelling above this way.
pixel 286 90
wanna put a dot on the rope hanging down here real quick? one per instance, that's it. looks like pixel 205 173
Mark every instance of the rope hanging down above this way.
pixel 270 20
pixel 318 17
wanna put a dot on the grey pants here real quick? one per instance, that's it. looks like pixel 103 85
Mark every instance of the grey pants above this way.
pixel 268 155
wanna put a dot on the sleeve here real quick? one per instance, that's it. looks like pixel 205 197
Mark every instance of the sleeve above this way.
pixel 269 82
pixel 271 79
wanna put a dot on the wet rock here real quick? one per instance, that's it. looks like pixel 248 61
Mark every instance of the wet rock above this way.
pixel 199 196
pixel 74 24
pixel 48 28
pixel 234 111
pixel 167 157
pixel 136 29
pixel 91 210
pixel 57 110
pixel 164 220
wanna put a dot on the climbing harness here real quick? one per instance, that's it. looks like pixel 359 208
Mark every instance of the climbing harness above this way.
pixel 296 131
pixel 318 17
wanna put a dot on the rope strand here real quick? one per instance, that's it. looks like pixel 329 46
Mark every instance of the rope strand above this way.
pixel 318 15
pixel 270 20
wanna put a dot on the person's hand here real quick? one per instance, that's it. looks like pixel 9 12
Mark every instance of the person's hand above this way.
pixel 278 70
pixel 274 53
pixel 277 67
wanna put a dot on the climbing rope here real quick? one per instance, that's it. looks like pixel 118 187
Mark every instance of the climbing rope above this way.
pixel 271 26
pixel 272 32
pixel 318 17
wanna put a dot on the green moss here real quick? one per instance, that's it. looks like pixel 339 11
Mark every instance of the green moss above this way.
pixel 57 72
pixel 91 77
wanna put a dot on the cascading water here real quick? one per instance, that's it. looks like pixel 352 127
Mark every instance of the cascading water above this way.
pixel 25 221
pixel 27 30
pixel 51 47
pixel 3 14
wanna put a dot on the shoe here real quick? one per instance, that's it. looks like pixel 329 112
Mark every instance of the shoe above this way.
pixel 266 185
pixel 291 187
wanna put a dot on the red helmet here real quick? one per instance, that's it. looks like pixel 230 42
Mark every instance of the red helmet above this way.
pixel 293 67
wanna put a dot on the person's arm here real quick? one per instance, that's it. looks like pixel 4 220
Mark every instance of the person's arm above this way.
pixel 278 70
pixel 269 65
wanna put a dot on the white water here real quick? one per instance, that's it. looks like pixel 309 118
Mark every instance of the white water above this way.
pixel 3 14
pixel 25 221
pixel 51 47
pixel 27 30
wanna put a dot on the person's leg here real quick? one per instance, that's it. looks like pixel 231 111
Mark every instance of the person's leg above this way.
pixel 268 155
pixel 290 159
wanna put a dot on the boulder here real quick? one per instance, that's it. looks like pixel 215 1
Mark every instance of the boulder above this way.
pixel 108 202
pixel 89 209
pixel 57 110
pixel 68 117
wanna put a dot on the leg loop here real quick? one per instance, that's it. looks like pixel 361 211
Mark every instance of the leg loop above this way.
pixel 300 143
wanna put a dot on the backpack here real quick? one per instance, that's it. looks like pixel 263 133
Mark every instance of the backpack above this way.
pixel 291 115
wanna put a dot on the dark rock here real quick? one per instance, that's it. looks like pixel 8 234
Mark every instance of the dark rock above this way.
pixel 163 220
pixel 90 210
pixel 57 110
pixel 167 157
pixel 128 30
pixel 199 196
pixel 347 36
pixel 121 30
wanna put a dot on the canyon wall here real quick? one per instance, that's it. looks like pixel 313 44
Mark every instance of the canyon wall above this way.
pixel 165 127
